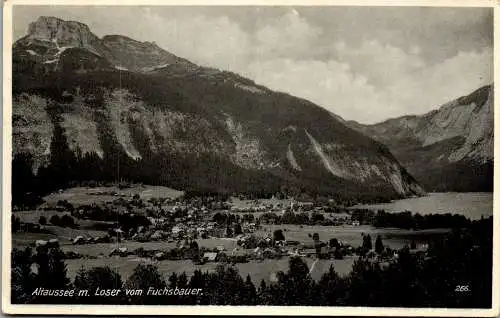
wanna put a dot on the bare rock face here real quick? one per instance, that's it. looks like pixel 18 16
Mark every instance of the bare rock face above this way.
pixel 450 148
pixel 53 44
pixel 163 119
pixel 65 33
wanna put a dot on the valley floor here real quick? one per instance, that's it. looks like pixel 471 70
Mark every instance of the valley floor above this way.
pixel 96 255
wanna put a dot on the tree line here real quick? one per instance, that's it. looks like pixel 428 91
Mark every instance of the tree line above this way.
pixel 407 220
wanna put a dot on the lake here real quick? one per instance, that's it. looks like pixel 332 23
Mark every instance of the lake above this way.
pixel 473 205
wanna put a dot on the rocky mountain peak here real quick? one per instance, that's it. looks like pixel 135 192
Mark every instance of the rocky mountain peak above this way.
pixel 447 149
pixel 50 38
pixel 65 33
pixel 479 97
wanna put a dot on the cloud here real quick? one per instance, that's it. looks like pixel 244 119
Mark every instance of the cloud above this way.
pixel 212 41
pixel 331 84
pixel 439 83
pixel 289 36
pixel 375 82
pixel 381 63
pixel 368 83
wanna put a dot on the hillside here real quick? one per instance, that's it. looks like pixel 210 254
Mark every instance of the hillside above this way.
pixel 115 108
pixel 448 149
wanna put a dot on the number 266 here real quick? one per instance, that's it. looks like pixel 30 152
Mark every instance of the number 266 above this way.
pixel 462 288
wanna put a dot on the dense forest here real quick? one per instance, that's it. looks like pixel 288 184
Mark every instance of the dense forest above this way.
pixel 205 175
pixel 202 171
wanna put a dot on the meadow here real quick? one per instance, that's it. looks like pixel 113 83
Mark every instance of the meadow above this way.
pixel 89 195
pixel 258 270
pixel 349 234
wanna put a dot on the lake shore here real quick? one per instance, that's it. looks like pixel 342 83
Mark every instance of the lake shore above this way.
pixel 472 205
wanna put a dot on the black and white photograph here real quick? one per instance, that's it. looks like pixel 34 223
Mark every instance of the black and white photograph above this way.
pixel 315 157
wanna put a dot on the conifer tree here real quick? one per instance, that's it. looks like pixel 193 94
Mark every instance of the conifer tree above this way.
pixel 144 277
pixel 379 246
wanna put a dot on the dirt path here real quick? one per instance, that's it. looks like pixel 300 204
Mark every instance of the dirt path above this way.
pixel 312 266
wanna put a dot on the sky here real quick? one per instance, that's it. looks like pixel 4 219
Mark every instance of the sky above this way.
pixel 362 63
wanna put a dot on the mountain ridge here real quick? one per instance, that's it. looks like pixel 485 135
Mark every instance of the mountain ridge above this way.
pixel 185 125
pixel 458 134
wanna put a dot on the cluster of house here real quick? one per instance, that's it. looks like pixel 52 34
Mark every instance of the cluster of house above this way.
pixel 80 239
pixel 190 230
pixel 47 243
pixel 246 247
pixel 180 212
pixel 256 206
pixel 336 216
pixel 266 249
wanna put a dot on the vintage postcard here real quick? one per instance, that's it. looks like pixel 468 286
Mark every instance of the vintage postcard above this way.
pixel 254 157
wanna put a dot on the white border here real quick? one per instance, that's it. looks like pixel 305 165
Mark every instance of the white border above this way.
pixel 8 308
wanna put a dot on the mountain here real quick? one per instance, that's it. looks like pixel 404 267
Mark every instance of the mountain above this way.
pixel 105 108
pixel 53 44
pixel 448 149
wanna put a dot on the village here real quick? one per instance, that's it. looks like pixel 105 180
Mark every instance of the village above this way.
pixel 202 229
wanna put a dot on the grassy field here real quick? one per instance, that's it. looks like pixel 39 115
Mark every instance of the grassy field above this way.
pixel 96 249
pixel 87 195
pixel 34 215
pixel 22 240
pixel 394 238
pixel 64 234
pixel 258 270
